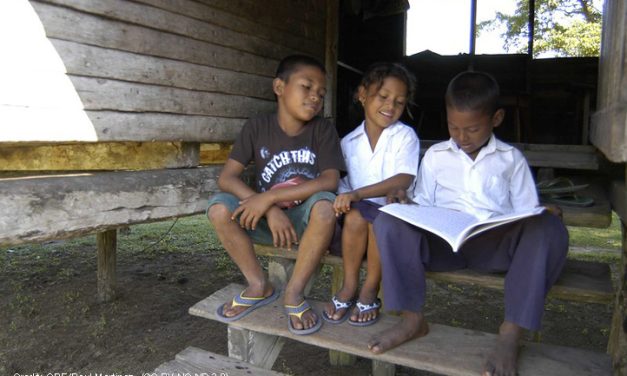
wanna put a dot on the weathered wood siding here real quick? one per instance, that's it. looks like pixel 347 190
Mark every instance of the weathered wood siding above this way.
pixel 609 123
pixel 148 70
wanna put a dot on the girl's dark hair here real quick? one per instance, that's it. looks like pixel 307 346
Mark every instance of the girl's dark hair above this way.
pixel 473 91
pixel 290 64
pixel 378 72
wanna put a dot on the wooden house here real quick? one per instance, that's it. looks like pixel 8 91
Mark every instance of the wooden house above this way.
pixel 118 112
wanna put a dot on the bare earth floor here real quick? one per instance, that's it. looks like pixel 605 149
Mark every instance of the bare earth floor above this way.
pixel 51 322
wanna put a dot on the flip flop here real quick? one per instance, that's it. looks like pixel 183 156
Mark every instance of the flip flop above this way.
pixel 242 301
pixel 298 312
pixel 338 304
pixel 366 308
pixel 559 185
pixel 568 200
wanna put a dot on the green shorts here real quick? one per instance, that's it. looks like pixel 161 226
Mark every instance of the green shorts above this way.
pixel 298 215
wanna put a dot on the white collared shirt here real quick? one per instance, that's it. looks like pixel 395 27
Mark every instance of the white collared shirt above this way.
pixel 397 152
pixel 498 181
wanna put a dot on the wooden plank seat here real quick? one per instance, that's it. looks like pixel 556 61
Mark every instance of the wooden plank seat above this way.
pixel 431 353
pixel 196 361
pixel 584 281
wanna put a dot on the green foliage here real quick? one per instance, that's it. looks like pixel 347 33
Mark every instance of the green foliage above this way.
pixel 563 27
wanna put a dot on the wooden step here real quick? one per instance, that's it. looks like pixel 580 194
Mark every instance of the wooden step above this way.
pixel 582 281
pixel 432 353
pixel 193 360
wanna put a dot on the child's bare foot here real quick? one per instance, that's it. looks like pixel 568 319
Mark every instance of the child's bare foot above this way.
pixel 502 361
pixel 336 312
pixel 413 325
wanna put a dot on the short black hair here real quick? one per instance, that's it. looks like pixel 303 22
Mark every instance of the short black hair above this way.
pixel 473 91
pixel 291 63
pixel 378 72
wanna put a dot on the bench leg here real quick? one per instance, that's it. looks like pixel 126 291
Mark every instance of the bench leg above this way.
pixel 380 368
pixel 280 270
pixel 107 244
pixel 617 345
pixel 255 348
pixel 338 358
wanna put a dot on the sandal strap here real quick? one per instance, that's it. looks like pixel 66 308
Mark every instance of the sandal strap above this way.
pixel 297 310
pixel 368 307
pixel 340 304
pixel 243 301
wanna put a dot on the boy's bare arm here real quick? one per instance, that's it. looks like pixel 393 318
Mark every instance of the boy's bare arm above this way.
pixel 230 180
pixel 254 207
pixel 398 182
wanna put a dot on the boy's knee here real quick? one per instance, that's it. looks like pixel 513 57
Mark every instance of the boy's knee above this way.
pixel 322 211
pixel 218 213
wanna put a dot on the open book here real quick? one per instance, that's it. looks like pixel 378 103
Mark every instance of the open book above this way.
pixel 451 225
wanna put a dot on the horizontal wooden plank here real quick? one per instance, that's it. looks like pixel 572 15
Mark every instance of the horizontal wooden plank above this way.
pixel 105 94
pixel 598 215
pixel 84 60
pixel 216 153
pixel 430 353
pixel 295 19
pixel 71 25
pixel 580 281
pixel 23 125
pixel 154 18
pixel 240 24
pixel 57 207
pixel 576 157
pixel 193 359
pixel 100 156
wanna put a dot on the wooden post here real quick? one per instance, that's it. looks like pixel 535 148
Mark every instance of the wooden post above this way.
pixel 338 358
pixel 617 344
pixel 255 348
pixel 107 244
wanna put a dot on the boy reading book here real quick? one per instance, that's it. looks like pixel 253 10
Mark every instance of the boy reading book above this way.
pixel 475 173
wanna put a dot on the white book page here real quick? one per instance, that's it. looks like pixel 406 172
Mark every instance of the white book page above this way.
pixel 449 224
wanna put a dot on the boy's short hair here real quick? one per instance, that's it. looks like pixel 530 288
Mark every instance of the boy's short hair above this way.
pixel 291 63
pixel 378 72
pixel 473 91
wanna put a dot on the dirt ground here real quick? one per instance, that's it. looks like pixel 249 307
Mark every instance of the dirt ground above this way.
pixel 50 320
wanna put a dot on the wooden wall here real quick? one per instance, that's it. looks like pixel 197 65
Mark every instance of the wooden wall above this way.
pixel 609 123
pixel 144 70
pixel 156 86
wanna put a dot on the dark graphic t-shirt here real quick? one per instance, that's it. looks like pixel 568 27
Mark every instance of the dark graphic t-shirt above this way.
pixel 280 158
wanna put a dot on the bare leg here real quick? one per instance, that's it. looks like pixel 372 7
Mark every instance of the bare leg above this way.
pixel 370 289
pixel 502 361
pixel 413 325
pixel 313 244
pixel 239 246
pixel 354 237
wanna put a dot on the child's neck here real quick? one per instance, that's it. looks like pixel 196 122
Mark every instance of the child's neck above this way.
pixel 373 133
pixel 290 126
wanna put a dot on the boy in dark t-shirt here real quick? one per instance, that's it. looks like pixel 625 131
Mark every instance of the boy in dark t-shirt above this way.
pixel 297 162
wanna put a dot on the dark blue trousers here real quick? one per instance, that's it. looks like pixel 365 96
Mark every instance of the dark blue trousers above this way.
pixel 532 251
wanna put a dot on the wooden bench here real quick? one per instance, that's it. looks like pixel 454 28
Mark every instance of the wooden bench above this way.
pixel 195 361
pixel 262 333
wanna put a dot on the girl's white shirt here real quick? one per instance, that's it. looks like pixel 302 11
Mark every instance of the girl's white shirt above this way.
pixel 397 152
pixel 498 181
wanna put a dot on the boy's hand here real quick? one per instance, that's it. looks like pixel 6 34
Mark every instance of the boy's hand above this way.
pixel 397 195
pixel 251 210
pixel 283 233
pixel 342 203
pixel 554 209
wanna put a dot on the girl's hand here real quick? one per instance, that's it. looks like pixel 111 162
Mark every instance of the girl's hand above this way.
pixel 342 204
pixel 283 232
